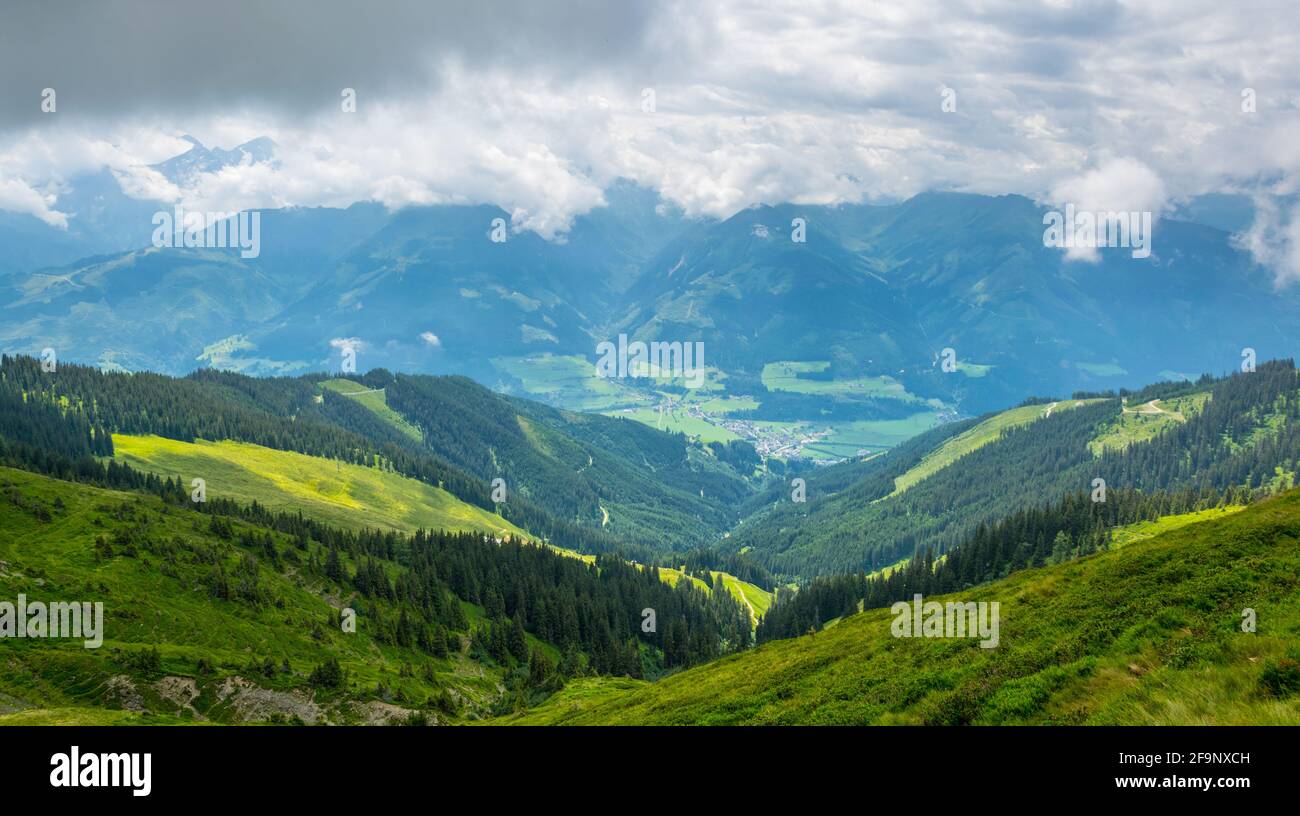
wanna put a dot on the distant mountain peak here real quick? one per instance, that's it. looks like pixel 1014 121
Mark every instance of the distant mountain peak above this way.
pixel 200 159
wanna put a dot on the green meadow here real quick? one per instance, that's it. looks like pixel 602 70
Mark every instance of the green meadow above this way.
pixel 784 376
pixel 373 398
pixel 1140 423
pixel 569 381
pixel 1149 633
pixel 977 437
pixel 338 493
pixel 154 594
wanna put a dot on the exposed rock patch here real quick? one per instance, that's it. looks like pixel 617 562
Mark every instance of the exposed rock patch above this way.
pixel 252 703
pixel 180 691
pixel 122 691
pixel 380 713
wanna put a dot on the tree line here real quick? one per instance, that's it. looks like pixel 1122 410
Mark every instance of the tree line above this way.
pixel 61 419
pixel 1053 533
pixel 1242 436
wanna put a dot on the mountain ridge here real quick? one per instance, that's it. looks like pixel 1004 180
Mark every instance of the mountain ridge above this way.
pixel 1150 633
pixel 875 289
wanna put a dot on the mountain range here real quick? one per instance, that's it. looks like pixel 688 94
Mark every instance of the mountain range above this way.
pixel 874 294
pixel 499 557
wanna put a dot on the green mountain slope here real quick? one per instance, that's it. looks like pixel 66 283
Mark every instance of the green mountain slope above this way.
pixel 338 493
pixel 1142 421
pixel 1241 430
pixel 874 291
pixel 229 615
pixel 1147 634
pixel 373 399
pixel 55 423
pixel 341 494
pixel 152 575
pixel 651 488
pixel 989 430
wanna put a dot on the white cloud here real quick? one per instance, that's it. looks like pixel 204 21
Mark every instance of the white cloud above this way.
pixel 1121 185
pixel 1117 184
pixel 756 103
pixel 1274 238
pixel 431 339
pixel 16 196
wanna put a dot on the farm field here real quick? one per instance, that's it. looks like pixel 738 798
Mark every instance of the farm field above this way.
pixel 784 376
pixel 569 381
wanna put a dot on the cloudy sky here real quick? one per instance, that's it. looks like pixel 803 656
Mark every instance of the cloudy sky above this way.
pixel 537 107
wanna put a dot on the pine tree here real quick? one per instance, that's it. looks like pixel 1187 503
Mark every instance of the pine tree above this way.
pixel 334 565
pixel 518 640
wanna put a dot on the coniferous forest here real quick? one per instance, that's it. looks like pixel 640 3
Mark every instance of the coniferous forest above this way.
pixel 462 367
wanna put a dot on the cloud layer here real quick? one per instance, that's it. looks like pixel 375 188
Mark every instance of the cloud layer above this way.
pixel 718 106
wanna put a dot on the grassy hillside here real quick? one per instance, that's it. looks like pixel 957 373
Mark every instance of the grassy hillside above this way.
pixel 644 487
pixel 754 597
pixel 855 518
pixel 338 493
pixel 1244 435
pixel 1144 421
pixel 977 437
pixel 374 399
pixel 1128 533
pixel 152 579
pixel 1149 633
